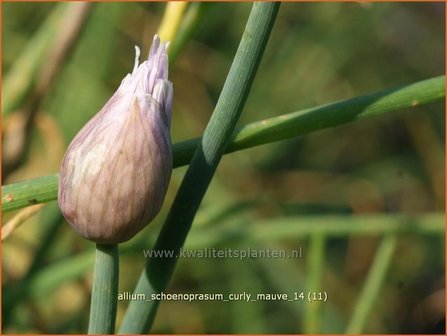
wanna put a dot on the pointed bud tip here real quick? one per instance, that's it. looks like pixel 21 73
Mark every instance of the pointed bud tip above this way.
pixel 137 59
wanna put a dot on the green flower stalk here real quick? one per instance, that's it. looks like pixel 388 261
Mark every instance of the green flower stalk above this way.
pixel 115 172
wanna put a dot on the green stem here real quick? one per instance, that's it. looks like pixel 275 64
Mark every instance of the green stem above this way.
pixel 371 289
pixel 158 271
pixel 22 76
pixel 193 17
pixel 44 188
pixel 172 18
pixel 315 271
pixel 105 290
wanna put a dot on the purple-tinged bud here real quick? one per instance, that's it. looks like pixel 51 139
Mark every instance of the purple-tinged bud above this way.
pixel 116 170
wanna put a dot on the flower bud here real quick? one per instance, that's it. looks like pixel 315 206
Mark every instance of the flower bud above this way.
pixel 116 170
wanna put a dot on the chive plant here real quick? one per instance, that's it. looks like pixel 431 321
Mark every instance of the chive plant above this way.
pixel 141 148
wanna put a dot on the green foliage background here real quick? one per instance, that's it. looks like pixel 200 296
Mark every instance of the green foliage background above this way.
pixel 384 170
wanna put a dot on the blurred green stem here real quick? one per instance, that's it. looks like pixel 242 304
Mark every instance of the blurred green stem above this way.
pixel 171 20
pixel 44 188
pixel 371 289
pixel 22 76
pixel 34 60
pixel 315 271
pixel 105 290
pixel 158 271
pixel 194 15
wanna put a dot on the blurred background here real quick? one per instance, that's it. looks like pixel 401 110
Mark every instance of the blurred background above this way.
pixel 62 61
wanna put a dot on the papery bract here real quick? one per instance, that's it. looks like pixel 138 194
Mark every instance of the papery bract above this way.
pixel 116 170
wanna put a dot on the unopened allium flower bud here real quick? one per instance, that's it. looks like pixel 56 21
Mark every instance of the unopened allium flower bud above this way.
pixel 115 173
